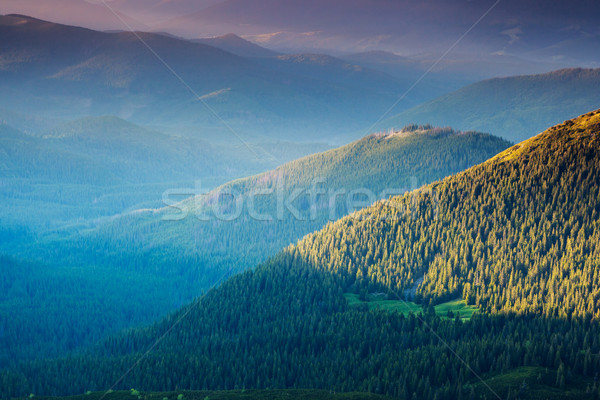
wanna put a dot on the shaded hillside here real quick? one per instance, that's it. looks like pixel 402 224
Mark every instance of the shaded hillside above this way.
pixel 98 303
pixel 515 108
pixel 332 69
pixel 100 166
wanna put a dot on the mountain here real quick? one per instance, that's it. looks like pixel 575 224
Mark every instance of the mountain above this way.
pixel 177 249
pixel 30 124
pixel 106 151
pixel 332 69
pixel 72 12
pixel 514 107
pixel 409 70
pixel 58 71
pixel 234 44
pixel 68 173
pixel 515 237
pixel 452 72
pixel 139 155
pixel 510 224
pixel 27 157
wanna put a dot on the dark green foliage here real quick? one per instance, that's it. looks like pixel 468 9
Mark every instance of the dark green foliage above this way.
pixel 47 311
pixel 285 325
pixel 534 383
pixel 298 394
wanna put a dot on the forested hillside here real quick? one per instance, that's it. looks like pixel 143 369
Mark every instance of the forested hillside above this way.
pixel 36 309
pixel 105 151
pixel 217 233
pixel 166 253
pixel 517 236
pixel 518 233
pixel 75 171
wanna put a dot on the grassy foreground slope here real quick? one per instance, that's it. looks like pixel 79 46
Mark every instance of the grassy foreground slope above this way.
pixel 517 235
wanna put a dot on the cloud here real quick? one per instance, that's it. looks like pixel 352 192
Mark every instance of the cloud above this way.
pixel 513 34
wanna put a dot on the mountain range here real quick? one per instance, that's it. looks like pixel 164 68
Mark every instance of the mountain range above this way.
pixel 59 71
pixel 402 26
pixel 562 33
pixel 259 96
pixel 65 172
pixel 223 235
pixel 237 45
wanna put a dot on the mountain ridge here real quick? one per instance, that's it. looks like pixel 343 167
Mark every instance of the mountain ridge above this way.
pixel 237 45
pixel 514 107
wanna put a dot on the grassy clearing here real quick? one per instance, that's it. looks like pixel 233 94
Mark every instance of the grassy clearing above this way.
pixel 376 302
pixel 456 306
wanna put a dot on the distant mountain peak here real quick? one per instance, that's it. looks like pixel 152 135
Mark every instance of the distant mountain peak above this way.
pixel 231 36
pixel 237 45
pixel 22 19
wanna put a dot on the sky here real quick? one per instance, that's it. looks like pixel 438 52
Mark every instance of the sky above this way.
pixel 549 31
